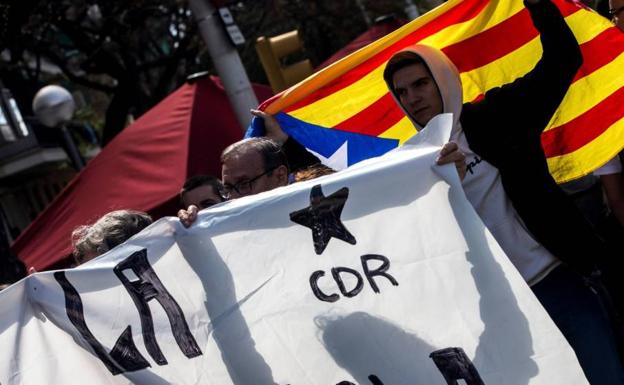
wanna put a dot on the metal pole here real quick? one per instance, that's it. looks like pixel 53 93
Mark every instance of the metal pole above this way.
pixel 226 60
pixel 362 8
pixel 72 150
pixel 411 10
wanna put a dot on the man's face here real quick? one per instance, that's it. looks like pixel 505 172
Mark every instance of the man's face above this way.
pixel 202 197
pixel 246 172
pixel 618 17
pixel 418 93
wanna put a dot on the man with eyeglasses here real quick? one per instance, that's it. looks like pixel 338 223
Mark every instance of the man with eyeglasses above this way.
pixel 252 166
pixel 249 167
pixel 616 10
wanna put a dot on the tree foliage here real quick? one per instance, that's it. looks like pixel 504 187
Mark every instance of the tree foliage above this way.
pixel 135 51
pixel 138 51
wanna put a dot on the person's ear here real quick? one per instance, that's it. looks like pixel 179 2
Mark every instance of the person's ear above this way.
pixel 282 175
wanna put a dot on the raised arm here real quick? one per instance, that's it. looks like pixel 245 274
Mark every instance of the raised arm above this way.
pixel 527 104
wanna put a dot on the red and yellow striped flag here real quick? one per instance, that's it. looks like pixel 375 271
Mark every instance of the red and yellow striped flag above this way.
pixel 492 43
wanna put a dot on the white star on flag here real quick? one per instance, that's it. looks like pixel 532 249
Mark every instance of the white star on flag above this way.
pixel 339 160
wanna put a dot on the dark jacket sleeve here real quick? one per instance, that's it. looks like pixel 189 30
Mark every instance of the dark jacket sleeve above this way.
pixel 505 129
pixel 521 110
pixel 298 157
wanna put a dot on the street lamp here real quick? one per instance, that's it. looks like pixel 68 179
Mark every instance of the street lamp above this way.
pixel 54 107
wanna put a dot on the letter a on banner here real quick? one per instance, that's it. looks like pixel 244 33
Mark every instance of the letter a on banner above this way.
pixel 147 288
pixel 125 357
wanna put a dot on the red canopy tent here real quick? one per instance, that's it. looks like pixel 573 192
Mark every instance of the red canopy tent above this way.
pixel 143 168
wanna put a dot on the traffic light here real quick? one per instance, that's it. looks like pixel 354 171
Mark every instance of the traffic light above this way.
pixel 271 52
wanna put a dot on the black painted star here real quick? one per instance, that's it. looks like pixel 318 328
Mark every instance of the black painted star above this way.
pixel 323 217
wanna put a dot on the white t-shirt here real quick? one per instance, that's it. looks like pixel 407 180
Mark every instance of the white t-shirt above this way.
pixel 484 189
pixel 613 166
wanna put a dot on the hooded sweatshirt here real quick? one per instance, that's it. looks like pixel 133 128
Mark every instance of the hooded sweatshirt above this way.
pixel 507 179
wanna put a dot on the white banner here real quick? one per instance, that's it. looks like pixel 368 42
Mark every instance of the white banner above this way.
pixel 380 274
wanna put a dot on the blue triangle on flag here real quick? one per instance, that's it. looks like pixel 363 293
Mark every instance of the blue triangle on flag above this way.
pixel 326 141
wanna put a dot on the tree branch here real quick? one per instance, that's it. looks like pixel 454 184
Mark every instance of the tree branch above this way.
pixel 73 77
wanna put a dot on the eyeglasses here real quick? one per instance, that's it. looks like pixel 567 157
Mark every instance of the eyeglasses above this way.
pixel 615 11
pixel 243 187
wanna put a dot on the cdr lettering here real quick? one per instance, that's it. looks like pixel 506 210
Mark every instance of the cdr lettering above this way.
pixel 339 272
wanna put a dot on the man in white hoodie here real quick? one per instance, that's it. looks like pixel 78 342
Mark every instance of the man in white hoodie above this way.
pixel 508 183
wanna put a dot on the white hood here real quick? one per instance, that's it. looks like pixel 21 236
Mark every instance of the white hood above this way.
pixel 446 77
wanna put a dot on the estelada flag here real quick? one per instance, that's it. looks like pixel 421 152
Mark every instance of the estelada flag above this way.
pixel 346 114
